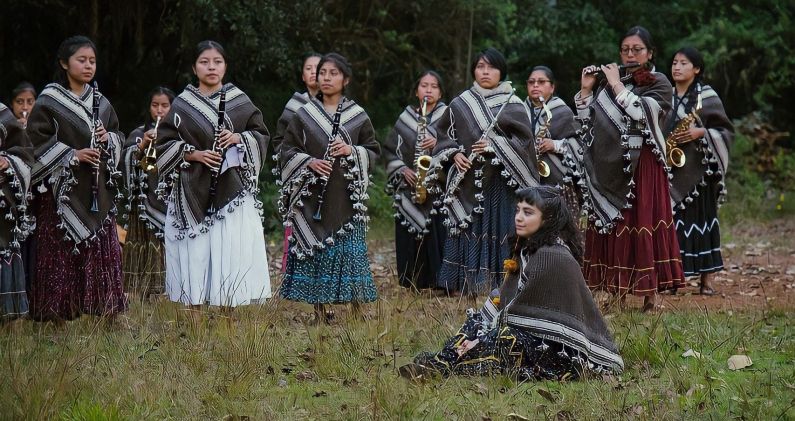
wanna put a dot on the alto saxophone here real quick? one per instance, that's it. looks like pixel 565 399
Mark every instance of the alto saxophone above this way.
pixel 422 163
pixel 674 155
pixel 543 167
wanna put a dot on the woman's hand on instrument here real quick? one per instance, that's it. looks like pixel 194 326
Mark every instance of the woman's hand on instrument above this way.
pixel 206 157
pixel 588 79
pixel 481 146
pixel 148 138
pixel 691 134
pixel 466 346
pixel 88 156
pixel 102 134
pixel 611 74
pixel 340 148
pixel 461 162
pixel 410 176
pixel 320 166
pixel 429 143
pixel 23 121
pixel 227 138
pixel 3 163
pixel 546 145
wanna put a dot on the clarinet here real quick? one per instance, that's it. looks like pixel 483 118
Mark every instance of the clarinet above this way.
pixel 94 145
pixel 335 128
pixel 216 171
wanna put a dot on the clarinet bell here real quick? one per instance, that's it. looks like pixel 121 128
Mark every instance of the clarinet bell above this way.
pixel 94 204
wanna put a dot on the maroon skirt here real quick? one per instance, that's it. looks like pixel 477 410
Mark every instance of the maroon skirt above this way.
pixel 68 285
pixel 641 254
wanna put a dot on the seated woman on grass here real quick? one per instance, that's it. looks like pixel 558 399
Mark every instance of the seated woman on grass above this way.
pixel 543 322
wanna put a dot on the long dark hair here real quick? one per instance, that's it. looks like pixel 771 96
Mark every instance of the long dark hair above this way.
pixel 67 49
pixel 557 222
pixel 695 57
pixel 340 62
pixel 160 90
pixel 495 58
pixel 644 36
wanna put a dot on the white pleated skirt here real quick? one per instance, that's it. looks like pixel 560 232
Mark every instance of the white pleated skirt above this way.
pixel 227 266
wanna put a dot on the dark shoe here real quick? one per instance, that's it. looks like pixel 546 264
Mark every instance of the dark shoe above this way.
pixel 414 371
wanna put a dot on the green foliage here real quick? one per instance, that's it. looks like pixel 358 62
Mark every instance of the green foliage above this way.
pixel 748 49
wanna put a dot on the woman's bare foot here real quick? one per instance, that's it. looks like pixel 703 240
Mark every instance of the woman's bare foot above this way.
pixel 706 284
pixel 651 304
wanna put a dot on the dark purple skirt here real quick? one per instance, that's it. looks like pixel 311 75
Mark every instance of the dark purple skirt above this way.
pixel 66 284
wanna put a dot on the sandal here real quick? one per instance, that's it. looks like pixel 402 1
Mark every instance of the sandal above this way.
pixel 708 291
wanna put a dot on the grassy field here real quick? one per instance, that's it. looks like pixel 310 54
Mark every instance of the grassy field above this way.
pixel 268 363
pixel 159 361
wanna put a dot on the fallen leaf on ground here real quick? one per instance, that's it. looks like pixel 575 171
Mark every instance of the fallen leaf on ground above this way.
pixel 547 395
pixel 691 353
pixel 481 389
pixel 514 416
pixel 738 362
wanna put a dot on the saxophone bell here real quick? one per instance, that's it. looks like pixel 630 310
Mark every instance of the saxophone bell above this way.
pixel 423 164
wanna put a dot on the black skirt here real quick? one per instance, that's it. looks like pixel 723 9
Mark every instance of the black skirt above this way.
pixel 698 230
pixel 418 261
pixel 13 294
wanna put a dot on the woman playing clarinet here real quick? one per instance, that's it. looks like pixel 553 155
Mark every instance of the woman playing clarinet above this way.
pixel 143 257
pixel 419 233
pixel 485 133
pixel 630 244
pixel 698 127
pixel 326 157
pixel 78 147
pixel 211 147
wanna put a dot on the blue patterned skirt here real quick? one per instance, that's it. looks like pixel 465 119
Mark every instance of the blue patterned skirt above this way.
pixel 336 274
pixel 473 260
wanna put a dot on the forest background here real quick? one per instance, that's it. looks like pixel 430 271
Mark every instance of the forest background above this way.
pixel 748 48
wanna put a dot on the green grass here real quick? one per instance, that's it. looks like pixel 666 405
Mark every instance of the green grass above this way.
pixel 267 363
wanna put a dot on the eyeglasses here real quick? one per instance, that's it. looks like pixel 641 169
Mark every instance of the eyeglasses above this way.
pixel 537 81
pixel 635 51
